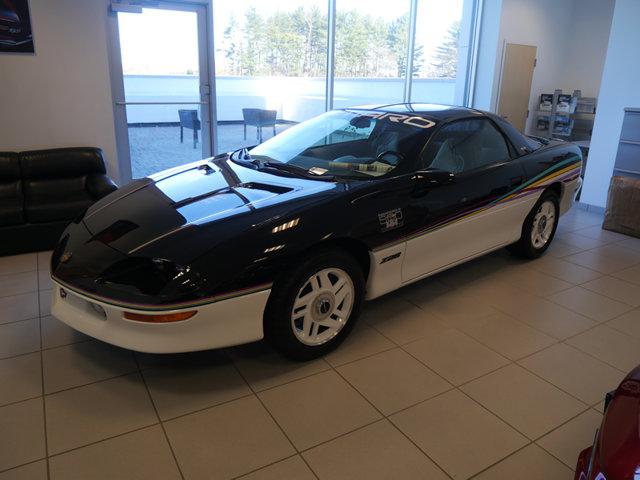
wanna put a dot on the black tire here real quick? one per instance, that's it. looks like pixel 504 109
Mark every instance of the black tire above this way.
pixel 525 247
pixel 278 322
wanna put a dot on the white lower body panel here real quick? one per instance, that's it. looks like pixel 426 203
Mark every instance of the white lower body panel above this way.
pixel 224 323
pixel 571 189
pixel 385 272
pixel 462 241
pixel 466 238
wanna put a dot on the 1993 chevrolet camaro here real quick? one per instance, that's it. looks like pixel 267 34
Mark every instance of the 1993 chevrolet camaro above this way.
pixel 285 240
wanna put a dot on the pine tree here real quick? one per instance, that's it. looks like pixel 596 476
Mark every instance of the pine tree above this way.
pixel 397 41
pixel 252 53
pixel 446 57
pixel 294 43
pixel 232 49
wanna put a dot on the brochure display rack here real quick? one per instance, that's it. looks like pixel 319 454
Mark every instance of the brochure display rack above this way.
pixel 566 116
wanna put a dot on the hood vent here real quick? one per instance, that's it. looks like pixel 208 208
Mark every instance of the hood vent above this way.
pixel 264 187
pixel 277 189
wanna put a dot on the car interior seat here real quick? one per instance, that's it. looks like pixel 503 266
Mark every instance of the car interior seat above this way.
pixel 448 158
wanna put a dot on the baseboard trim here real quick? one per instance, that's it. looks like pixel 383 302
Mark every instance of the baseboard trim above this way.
pixel 590 208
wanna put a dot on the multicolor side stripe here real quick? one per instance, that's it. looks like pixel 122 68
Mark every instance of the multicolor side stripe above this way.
pixel 168 306
pixel 564 171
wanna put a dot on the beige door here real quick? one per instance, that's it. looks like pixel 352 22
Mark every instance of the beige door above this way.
pixel 515 83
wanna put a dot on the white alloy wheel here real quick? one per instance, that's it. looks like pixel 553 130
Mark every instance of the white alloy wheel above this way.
pixel 322 306
pixel 543 224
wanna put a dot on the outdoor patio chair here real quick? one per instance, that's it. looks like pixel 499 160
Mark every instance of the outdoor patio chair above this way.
pixel 189 119
pixel 259 118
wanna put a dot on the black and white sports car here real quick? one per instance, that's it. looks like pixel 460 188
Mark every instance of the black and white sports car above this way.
pixel 285 240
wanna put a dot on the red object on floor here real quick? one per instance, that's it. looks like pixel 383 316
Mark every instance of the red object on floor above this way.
pixel 615 454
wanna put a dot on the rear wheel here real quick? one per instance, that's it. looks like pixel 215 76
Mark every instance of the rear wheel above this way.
pixel 539 227
pixel 314 307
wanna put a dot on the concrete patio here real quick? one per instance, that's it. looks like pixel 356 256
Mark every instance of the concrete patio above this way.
pixel 156 148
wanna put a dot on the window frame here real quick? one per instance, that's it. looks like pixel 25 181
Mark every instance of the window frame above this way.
pixel 210 40
pixel 510 147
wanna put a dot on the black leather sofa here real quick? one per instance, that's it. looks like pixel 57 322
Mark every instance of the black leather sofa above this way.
pixel 42 191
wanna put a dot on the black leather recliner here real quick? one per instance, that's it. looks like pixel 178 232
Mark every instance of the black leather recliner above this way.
pixel 42 191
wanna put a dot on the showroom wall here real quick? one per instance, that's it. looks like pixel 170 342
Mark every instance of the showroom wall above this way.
pixel 586 44
pixel 571 37
pixel 61 96
pixel 542 23
pixel 619 89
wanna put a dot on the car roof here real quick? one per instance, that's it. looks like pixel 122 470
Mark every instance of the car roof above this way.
pixel 439 112
pixel 446 113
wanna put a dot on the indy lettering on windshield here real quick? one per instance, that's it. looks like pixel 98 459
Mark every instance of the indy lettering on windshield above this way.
pixel 414 121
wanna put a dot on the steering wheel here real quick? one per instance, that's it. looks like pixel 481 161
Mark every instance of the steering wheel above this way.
pixel 398 156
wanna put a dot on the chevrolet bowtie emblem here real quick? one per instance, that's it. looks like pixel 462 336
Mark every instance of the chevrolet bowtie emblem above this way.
pixel 66 256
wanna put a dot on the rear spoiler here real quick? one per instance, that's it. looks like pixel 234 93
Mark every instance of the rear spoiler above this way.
pixel 542 140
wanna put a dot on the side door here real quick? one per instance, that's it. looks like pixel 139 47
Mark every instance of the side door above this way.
pixel 475 212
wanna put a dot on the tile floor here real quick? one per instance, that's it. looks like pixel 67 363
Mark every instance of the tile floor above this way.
pixel 494 370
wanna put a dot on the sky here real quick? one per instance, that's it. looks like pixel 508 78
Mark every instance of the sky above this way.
pixel 165 42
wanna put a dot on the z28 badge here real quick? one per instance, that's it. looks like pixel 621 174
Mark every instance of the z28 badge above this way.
pixel 391 219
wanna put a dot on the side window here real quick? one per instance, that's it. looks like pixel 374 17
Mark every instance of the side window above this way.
pixel 465 145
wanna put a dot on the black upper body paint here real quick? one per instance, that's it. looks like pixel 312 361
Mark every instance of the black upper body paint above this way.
pixel 217 226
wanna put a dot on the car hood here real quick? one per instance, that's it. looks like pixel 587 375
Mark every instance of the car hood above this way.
pixel 202 194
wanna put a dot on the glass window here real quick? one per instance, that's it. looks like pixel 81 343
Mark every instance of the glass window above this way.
pixel 270 60
pixel 159 71
pixel 466 145
pixel 441 41
pixel 370 52
pixel 347 143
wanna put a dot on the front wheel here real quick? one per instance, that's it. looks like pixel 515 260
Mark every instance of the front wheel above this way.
pixel 539 227
pixel 314 307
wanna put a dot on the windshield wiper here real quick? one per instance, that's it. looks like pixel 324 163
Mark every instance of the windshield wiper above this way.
pixel 242 157
pixel 293 169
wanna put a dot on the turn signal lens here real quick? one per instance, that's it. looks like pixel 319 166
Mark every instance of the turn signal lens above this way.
pixel 165 318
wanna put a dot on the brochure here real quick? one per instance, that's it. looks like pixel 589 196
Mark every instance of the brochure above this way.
pixel 546 101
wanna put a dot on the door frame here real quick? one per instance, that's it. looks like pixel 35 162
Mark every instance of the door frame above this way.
pixel 437 234
pixel 503 58
pixel 206 73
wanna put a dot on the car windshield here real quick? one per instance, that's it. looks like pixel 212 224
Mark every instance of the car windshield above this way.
pixel 348 143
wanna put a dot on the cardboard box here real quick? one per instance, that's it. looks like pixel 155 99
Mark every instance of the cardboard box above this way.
pixel 623 206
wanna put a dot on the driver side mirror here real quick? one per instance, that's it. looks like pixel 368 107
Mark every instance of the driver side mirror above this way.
pixel 434 177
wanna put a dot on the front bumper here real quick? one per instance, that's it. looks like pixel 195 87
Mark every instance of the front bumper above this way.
pixel 224 323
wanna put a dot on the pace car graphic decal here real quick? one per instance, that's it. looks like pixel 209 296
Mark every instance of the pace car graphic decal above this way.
pixel 390 220
pixel 564 171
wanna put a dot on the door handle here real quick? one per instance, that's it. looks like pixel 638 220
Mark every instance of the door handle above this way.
pixel 419 191
pixel 515 181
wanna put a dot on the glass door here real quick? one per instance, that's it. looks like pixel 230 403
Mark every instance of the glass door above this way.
pixel 163 96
